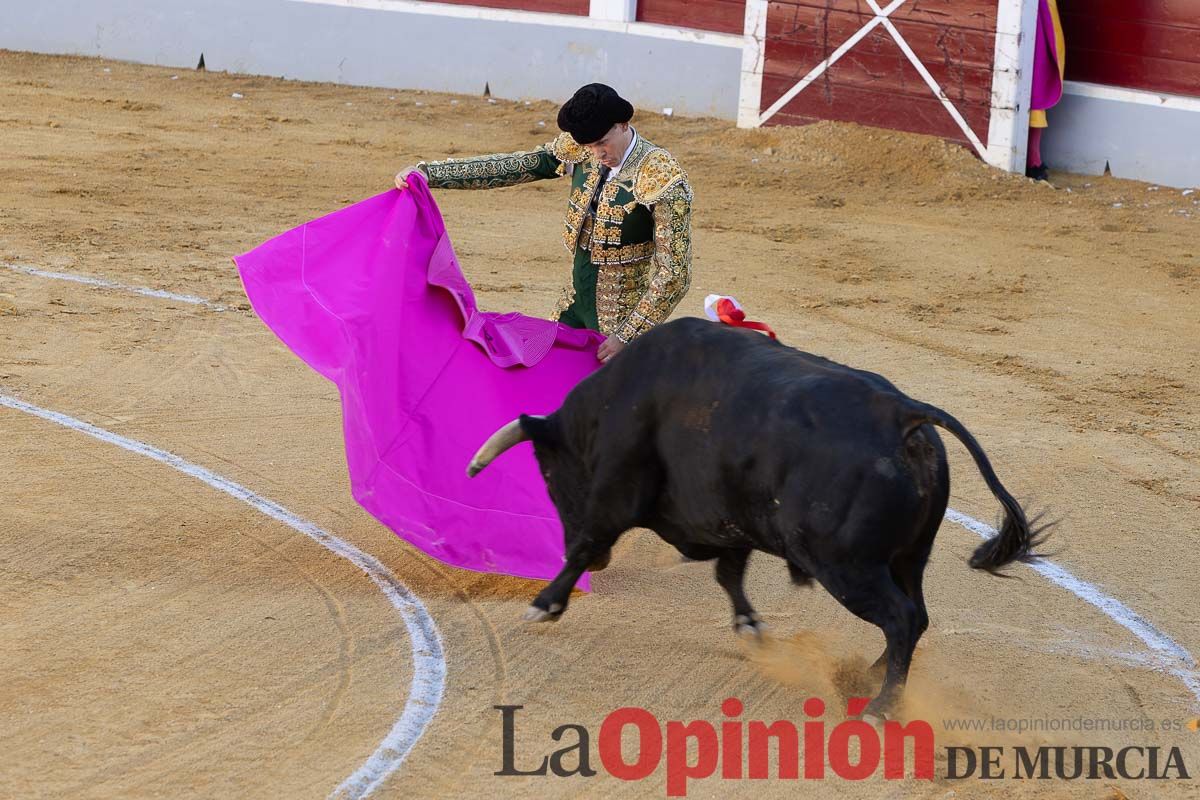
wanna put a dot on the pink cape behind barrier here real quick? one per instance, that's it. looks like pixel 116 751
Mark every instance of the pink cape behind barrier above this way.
pixel 1047 84
pixel 373 298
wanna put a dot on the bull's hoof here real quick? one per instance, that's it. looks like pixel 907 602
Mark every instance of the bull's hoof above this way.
pixel 535 614
pixel 749 626
pixel 876 713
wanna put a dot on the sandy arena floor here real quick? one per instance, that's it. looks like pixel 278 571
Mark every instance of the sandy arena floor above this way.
pixel 161 639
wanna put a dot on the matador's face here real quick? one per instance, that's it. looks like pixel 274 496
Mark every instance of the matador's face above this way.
pixel 609 149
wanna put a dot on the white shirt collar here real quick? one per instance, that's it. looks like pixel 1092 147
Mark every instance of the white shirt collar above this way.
pixel 632 143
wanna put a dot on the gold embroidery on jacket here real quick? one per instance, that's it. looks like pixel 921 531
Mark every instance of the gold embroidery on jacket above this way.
pixel 621 253
pixel 504 169
pixel 577 208
pixel 657 175
pixel 618 289
pixel 670 274
pixel 485 172
pixel 567 150
pixel 565 299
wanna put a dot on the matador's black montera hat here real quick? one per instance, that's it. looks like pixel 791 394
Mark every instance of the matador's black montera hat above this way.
pixel 592 111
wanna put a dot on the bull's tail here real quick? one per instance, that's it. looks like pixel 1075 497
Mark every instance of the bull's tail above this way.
pixel 1017 540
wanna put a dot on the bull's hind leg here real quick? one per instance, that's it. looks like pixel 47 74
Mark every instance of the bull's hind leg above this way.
pixel 731 573
pixel 908 570
pixel 908 573
pixel 871 593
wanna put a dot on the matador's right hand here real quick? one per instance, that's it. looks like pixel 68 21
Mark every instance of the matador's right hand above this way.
pixel 402 177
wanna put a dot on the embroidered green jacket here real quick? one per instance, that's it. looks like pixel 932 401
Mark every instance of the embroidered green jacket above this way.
pixel 634 257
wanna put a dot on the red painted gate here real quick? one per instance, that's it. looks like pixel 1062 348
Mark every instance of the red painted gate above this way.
pixel 915 65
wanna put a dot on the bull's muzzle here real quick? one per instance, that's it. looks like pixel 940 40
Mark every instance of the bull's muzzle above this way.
pixel 511 434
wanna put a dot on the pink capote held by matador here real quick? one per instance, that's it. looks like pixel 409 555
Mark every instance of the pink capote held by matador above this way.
pixel 373 298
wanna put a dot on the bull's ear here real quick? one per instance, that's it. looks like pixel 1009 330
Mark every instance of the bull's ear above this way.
pixel 542 430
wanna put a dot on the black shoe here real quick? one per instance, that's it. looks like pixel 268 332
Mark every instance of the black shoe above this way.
pixel 1038 173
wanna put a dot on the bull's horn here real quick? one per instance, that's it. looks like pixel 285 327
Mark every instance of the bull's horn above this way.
pixel 500 441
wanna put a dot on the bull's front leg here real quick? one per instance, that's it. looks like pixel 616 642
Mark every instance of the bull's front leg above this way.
pixel 551 602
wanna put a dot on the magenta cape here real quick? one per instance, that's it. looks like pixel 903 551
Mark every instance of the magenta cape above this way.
pixel 373 298
pixel 1047 87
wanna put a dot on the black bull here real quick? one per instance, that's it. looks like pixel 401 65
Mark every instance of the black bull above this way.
pixel 723 441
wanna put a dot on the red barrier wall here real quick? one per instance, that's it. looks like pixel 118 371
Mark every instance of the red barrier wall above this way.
pixel 874 83
pixel 578 7
pixel 723 16
pixel 1137 44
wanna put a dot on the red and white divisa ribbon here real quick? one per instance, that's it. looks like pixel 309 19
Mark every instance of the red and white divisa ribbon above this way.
pixel 728 311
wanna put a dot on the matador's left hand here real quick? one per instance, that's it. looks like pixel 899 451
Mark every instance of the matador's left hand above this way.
pixel 609 348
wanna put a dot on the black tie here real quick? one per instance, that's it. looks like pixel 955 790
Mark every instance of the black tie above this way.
pixel 599 187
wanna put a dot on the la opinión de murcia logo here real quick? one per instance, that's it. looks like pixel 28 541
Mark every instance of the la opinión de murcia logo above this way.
pixel 633 743
pixel 741 749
